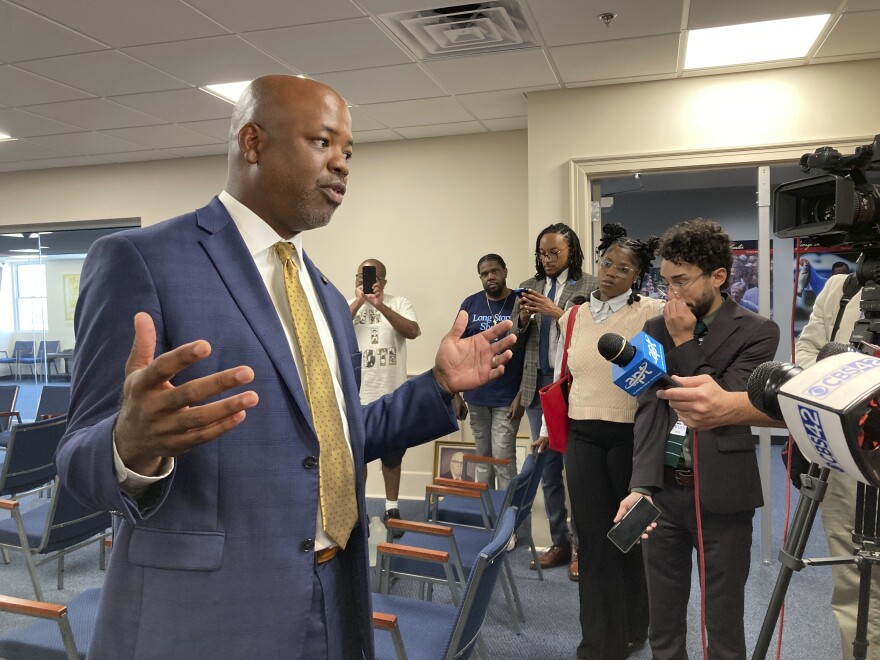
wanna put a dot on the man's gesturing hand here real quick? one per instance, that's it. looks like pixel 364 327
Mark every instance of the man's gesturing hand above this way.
pixel 464 364
pixel 158 420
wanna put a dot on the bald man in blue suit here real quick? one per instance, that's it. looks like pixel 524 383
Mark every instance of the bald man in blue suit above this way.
pixel 209 459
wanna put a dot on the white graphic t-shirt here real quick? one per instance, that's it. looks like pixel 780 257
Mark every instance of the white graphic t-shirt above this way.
pixel 383 349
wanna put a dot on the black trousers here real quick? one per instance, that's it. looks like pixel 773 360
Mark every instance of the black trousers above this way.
pixel 669 555
pixel 613 595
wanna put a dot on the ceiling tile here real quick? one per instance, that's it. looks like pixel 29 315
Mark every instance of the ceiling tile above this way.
pixel 482 73
pixel 440 130
pixel 420 112
pixel 26 36
pixel 383 135
pixel 713 13
pixel 86 143
pixel 19 87
pixel 216 128
pixel 161 137
pixel 854 33
pixel 179 105
pixel 507 124
pixel 21 124
pixel 205 150
pixel 50 163
pixel 105 73
pixel 361 122
pixel 607 60
pixel 563 22
pixel 389 83
pixel 121 23
pixel 305 47
pixel 25 150
pixel 209 61
pixel 138 156
pixel 94 114
pixel 507 103
pixel 263 14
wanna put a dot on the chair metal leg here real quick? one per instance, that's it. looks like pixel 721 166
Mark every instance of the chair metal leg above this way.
pixel 535 556
pixel 28 557
pixel 397 640
pixel 67 638
pixel 511 608
pixel 481 647
pixel 5 554
pixel 60 571
pixel 514 589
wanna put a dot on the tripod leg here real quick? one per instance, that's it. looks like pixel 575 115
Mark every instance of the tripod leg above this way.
pixel 813 490
pixel 860 643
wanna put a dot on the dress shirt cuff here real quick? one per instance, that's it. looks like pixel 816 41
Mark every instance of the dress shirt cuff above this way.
pixel 133 484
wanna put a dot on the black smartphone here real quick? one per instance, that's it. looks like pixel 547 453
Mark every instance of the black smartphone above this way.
pixel 368 278
pixel 626 533
pixel 519 291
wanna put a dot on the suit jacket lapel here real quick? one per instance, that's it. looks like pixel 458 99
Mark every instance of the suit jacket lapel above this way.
pixel 236 268
pixel 722 327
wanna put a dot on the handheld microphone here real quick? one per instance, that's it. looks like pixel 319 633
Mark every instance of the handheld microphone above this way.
pixel 829 409
pixel 635 365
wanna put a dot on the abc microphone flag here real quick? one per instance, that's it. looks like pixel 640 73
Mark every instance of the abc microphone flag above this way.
pixel 636 364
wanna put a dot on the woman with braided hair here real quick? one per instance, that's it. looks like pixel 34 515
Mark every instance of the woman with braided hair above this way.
pixel 598 458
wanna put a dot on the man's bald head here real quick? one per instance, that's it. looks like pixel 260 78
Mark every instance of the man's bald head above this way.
pixel 290 141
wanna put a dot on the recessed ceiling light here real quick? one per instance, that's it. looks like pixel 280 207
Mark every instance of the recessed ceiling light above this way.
pixel 13 235
pixel 227 91
pixel 751 43
pixel 26 250
pixel 6 138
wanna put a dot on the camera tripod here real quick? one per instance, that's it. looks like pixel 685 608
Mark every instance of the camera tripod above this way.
pixel 815 484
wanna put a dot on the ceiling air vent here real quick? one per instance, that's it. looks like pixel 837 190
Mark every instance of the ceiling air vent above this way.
pixel 462 29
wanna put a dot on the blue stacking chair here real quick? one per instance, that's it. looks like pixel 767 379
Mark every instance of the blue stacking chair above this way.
pixel 21 349
pixel 462 544
pixel 8 398
pixel 45 348
pixel 481 512
pixel 54 401
pixel 55 528
pixel 426 630
pixel 63 633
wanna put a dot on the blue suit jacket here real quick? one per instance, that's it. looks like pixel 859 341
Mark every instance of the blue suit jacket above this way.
pixel 215 561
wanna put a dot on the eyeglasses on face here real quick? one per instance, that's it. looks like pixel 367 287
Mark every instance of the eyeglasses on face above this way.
pixel 551 256
pixel 621 269
pixel 677 286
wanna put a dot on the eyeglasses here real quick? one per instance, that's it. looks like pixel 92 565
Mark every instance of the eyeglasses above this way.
pixel 677 286
pixel 551 256
pixel 621 269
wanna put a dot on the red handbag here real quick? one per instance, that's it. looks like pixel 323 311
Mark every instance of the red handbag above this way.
pixel 554 397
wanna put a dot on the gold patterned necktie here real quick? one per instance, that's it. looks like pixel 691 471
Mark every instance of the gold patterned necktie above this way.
pixel 336 471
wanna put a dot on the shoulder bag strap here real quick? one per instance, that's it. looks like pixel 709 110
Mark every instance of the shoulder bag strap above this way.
pixel 850 288
pixel 568 328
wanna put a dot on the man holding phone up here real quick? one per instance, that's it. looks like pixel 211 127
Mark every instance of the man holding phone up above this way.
pixel 382 324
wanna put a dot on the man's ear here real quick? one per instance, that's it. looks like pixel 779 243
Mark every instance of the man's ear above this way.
pixel 719 275
pixel 250 139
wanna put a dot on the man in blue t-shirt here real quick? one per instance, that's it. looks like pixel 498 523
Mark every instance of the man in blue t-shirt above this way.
pixel 493 420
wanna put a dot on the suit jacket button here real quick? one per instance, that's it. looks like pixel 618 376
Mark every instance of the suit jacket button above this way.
pixel 308 545
pixel 310 462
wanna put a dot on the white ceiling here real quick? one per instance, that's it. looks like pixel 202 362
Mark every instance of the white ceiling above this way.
pixel 109 81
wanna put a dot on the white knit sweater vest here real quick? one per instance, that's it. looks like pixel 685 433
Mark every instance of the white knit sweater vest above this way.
pixel 593 395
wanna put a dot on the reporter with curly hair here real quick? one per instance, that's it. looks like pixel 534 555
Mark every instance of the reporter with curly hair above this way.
pixel 598 458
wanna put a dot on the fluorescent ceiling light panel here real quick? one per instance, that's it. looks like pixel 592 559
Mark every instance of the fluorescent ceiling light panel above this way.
pixel 227 91
pixel 26 250
pixel 6 138
pixel 751 43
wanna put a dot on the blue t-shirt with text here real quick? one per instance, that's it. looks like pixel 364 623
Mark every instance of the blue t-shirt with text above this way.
pixel 482 315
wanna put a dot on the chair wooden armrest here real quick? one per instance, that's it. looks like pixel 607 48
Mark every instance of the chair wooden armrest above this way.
pixel 489 460
pixel 13 413
pixel 51 415
pixel 398 550
pixel 456 483
pixel 32 607
pixel 384 621
pixel 458 492
pixel 420 527
pixel 8 505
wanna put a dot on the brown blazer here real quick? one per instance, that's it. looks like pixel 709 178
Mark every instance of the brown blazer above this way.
pixel 737 342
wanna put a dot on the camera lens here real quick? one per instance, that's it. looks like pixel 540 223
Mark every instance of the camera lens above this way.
pixel 823 210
